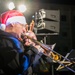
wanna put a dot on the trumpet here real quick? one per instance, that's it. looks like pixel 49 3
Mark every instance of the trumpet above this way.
pixel 47 49
pixel 49 52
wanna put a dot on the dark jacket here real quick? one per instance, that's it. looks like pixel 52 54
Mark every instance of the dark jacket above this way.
pixel 13 58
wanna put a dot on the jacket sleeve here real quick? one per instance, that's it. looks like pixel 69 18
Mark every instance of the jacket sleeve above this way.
pixel 9 45
pixel 24 59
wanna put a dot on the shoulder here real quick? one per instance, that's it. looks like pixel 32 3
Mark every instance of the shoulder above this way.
pixel 7 35
pixel 5 39
pixel 9 40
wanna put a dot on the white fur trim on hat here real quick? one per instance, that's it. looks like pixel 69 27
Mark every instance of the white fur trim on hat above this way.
pixel 15 19
pixel 2 26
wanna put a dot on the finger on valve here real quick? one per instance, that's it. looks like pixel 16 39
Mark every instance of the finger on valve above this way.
pixel 31 34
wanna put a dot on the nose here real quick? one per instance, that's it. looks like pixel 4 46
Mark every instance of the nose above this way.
pixel 24 30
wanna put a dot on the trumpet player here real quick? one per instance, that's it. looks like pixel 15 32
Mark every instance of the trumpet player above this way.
pixel 14 56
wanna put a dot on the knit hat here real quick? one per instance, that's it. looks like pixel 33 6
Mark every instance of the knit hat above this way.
pixel 11 16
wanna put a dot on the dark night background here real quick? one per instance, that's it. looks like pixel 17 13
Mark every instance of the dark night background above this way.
pixel 67 2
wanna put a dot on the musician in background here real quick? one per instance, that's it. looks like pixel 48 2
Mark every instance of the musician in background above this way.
pixel 15 58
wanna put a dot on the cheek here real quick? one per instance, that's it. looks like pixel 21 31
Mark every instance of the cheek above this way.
pixel 18 30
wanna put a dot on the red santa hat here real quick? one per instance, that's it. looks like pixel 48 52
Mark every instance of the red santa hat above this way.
pixel 11 16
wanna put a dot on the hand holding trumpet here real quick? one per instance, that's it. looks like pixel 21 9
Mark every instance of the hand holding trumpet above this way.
pixel 29 32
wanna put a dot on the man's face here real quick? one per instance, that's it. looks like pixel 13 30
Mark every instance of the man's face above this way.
pixel 19 29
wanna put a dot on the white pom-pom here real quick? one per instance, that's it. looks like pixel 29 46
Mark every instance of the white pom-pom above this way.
pixel 2 26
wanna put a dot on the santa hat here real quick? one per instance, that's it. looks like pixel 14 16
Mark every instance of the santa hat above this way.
pixel 11 16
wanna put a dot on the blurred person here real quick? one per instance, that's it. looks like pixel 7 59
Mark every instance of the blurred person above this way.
pixel 16 51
